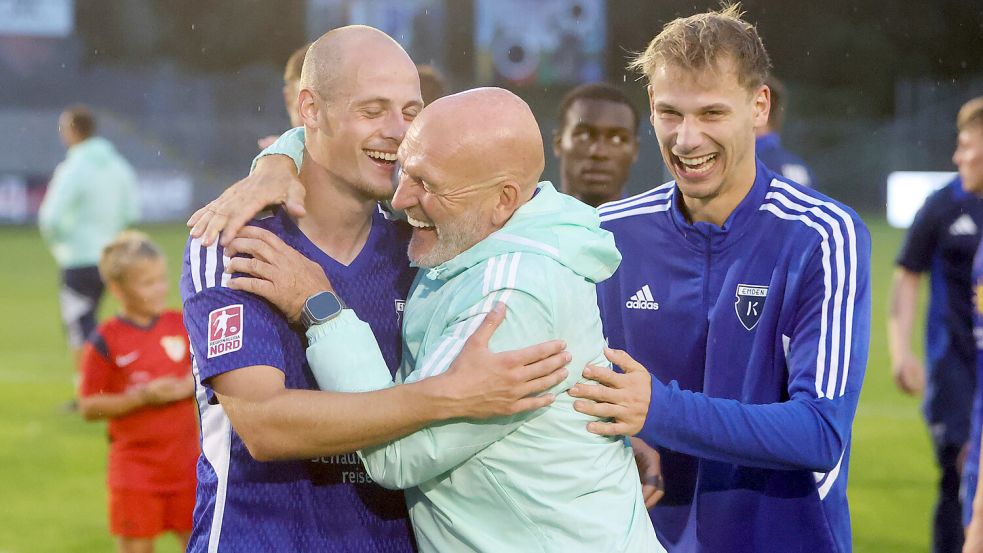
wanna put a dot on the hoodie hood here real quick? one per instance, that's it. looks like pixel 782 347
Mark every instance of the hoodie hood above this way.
pixel 95 149
pixel 551 224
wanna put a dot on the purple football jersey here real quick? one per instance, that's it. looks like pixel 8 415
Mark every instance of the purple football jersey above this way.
pixel 327 504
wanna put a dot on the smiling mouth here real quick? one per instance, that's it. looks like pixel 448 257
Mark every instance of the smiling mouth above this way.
pixel 378 156
pixel 696 166
pixel 418 224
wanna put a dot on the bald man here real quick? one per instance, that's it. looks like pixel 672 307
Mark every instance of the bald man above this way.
pixel 484 232
pixel 276 472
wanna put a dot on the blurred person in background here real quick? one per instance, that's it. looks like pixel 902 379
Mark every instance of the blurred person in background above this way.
pixel 596 141
pixel 768 146
pixel 942 240
pixel 968 158
pixel 136 372
pixel 92 196
pixel 433 85
pixel 291 89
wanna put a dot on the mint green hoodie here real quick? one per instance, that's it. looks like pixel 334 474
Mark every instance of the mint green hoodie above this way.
pixel 91 198
pixel 532 482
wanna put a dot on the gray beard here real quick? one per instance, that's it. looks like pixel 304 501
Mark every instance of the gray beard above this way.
pixel 453 239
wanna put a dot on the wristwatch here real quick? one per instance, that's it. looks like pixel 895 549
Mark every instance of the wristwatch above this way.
pixel 320 308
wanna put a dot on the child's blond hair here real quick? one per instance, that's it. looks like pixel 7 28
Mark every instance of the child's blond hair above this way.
pixel 127 249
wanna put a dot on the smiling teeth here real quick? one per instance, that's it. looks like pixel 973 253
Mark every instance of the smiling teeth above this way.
pixel 417 223
pixel 384 156
pixel 696 161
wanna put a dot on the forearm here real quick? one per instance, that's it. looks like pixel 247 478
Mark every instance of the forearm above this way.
pixel 791 435
pixel 902 312
pixel 110 406
pixel 284 155
pixel 977 498
pixel 301 424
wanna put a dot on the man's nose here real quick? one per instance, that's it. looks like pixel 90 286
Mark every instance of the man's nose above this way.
pixel 395 126
pixel 688 135
pixel 404 196
pixel 599 148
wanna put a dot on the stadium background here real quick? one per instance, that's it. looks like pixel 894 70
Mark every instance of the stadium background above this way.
pixel 184 89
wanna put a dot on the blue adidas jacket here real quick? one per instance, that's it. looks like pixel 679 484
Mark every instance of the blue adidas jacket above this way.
pixel 756 334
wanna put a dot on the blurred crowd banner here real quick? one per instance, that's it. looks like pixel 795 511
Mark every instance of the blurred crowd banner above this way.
pixel 40 18
pixel 418 25
pixel 908 190
pixel 552 42
pixel 164 196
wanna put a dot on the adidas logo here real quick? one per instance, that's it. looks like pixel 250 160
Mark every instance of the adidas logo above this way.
pixel 963 226
pixel 642 300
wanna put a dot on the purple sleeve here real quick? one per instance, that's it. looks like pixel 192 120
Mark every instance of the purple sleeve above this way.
pixel 230 330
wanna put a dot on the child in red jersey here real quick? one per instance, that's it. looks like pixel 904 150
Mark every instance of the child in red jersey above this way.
pixel 136 372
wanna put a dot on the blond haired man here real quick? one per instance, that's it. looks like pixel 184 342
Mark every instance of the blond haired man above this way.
pixel 748 298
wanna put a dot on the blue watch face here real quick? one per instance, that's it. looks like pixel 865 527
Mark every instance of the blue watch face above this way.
pixel 323 306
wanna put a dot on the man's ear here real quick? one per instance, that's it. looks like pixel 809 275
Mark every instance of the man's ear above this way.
pixel 509 199
pixel 762 106
pixel 309 108
pixel 557 138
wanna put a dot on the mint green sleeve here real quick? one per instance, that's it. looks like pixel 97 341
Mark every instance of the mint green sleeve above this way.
pixel 290 144
pixel 344 356
pixel 432 451
pixel 58 201
pixel 131 205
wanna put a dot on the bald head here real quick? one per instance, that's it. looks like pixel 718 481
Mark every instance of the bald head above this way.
pixel 470 161
pixel 334 59
pixel 486 134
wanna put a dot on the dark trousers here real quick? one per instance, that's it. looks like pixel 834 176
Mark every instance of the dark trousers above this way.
pixel 81 290
pixel 947 528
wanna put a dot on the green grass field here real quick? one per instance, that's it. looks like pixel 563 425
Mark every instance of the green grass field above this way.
pixel 52 464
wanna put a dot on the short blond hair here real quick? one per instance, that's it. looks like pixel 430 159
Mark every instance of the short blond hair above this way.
pixel 126 250
pixel 702 41
pixel 295 65
pixel 971 114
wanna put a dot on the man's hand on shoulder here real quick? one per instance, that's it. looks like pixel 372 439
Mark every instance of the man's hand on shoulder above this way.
pixel 274 181
pixel 622 397
pixel 278 273
pixel 481 384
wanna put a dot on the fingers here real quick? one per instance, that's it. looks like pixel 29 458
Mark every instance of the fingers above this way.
pixel 600 410
pixel 250 246
pixel 250 266
pixel 606 376
pixel 260 287
pixel 533 403
pixel 295 200
pixel 543 383
pixel 261 234
pixel 491 322
pixel 652 494
pixel 213 228
pixel 193 220
pixel 623 360
pixel 541 362
pixel 609 428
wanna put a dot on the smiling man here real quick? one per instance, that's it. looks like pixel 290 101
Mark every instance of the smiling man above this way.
pixel 485 232
pixel 748 298
pixel 596 142
pixel 274 474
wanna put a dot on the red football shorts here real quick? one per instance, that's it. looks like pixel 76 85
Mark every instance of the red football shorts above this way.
pixel 142 514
